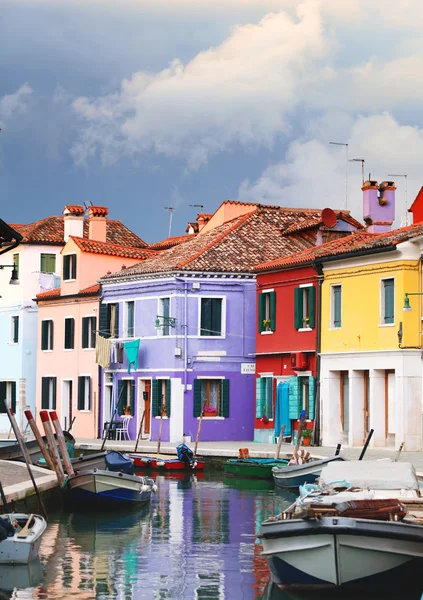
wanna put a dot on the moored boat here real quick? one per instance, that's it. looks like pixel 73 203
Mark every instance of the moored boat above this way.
pixel 106 487
pixel 292 476
pixel 257 468
pixel 165 464
pixel 351 530
pixel 118 462
pixel 21 547
pixel 85 461
pixel 10 449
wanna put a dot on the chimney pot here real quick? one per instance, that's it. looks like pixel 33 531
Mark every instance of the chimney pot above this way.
pixel 378 205
pixel 73 221
pixel 97 223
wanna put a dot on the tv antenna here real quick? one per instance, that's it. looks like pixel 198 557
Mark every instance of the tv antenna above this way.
pixel 198 206
pixel 171 210
pixel 404 220
pixel 362 165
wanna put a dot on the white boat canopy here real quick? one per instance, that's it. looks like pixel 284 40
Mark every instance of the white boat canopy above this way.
pixel 371 474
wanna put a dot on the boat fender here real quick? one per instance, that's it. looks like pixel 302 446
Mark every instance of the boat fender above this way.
pixel 146 460
pixel 160 463
pixel 154 488
pixel 145 488
pixel 194 464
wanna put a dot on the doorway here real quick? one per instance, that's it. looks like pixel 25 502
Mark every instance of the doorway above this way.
pixel 366 404
pixel 144 404
pixel 67 397
pixel 390 428
pixel 344 401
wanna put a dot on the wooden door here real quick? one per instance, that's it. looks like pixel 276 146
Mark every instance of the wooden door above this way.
pixel 366 403
pixel 147 405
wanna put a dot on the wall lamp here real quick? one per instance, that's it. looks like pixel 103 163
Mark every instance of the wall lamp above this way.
pixel 165 322
pixel 407 307
pixel 14 280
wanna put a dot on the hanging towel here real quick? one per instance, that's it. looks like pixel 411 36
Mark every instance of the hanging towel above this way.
pixel 131 349
pixel 46 281
pixel 102 351
pixel 119 352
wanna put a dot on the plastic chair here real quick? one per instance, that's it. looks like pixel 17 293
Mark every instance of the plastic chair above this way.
pixel 122 432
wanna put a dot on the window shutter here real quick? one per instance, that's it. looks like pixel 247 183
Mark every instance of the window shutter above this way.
pixel 261 311
pixel 312 306
pixel 13 396
pixel 93 331
pixel 259 398
pixel 44 392
pixel 205 316
pixel 16 330
pixel 85 332
pixel 168 398
pixel 73 266
pixel 389 300
pixel 121 401
pixel 298 308
pixel 272 301
pixel 66 267
pixel 104 324
pixel 2 396
pixel 269 397
pixel 311 397
pixel 216 316
pixel 88 382
pixel 81 392
pixel 224 398
pixel 337 291
pixel 132 397
pixel 295 404
pixel 69 333
pixel 44 334
pixel 155 398
pixel 51 334
pixel 197 398
pixel 54 380
pixel 116 320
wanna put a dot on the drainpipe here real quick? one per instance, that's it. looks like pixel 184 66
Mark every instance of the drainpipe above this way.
pixel 317 412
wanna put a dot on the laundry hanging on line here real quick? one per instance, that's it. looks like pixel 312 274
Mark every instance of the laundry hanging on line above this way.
pixel 102 351
pixel 116 354
pixel 131 349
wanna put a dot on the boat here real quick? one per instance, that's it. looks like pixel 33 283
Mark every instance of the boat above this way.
pixel 84 461
pixel 292 476
pixel 105 487
pixel 118 462
pixel 10 449
pixel 185 461
pixel 257 468
pixel 358 528
pixel 23 540
pixel 20 576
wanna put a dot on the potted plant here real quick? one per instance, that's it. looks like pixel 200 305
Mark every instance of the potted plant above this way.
pixel 210 411
pixel 127 410
pixel 306 437
pixel 306 321
pixel 266 324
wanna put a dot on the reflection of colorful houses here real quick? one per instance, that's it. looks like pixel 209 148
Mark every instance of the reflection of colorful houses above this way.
pixel 286 346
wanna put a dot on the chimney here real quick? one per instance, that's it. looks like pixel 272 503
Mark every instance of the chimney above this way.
pixel 97 223
pixel 378 208
pixel 73 220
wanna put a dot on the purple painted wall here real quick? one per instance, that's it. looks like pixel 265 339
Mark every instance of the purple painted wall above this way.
pixel 199 356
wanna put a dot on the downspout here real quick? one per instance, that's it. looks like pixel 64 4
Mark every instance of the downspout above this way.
pixel 317 412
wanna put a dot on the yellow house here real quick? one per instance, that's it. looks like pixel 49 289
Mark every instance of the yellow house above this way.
pixel 370 349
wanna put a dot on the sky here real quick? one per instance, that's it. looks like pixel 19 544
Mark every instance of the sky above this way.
pixel 140 105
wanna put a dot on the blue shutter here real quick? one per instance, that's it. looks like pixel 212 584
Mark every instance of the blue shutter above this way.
pixel 197 398
pixel 311 397
pixel 295 404
pixel 259 397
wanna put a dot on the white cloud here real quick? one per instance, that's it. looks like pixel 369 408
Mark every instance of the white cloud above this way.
pixel 14 104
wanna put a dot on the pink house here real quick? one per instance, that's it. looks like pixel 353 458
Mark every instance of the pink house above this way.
pixel 67 372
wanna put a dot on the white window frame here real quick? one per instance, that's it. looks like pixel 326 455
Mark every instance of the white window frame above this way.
pixel 160 311
pixel 72 259
pixel 223 317
pixel 382 303
pixel 332 306
pixel 125 319
pixel 90 331
pixel 12 330
pixel 87 388
pixel 49 336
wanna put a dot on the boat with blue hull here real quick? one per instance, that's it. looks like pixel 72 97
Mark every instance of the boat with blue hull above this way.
pixel 108 487
pixel 293 476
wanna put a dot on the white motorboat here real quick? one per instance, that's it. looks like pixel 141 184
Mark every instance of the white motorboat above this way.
pixel 22 547
pixel 345 538
pixel 104 486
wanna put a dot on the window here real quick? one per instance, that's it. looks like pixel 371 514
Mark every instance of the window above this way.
pixel 336 299
pixel 48 393
pixel 109 320
pixel 126 395
pixel 301 396
pixel 88 332
pixel 69 333
pixel 69 267
pixel 267 311
pixel 14 333
pixel 164 311
pixel 84 392
pixel 16 263
pixel 160 397
pixel 48 263
pixel 304 307
pixel 387 301
pixel 211 317
pixel 47 334
pixel 264 397
pixel 8 393
pixel 129 319
pixel 212 397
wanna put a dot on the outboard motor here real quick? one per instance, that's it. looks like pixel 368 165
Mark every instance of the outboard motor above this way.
pixel 186 455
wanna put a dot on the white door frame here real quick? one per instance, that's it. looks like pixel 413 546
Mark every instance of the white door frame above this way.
pixel 141 401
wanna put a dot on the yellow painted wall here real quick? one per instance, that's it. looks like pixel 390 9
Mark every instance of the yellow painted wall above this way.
pixel 361 328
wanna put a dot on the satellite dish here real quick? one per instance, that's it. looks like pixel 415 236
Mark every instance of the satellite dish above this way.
pixel 329 217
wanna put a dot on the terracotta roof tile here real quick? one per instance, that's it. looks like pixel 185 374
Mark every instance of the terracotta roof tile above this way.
pixel 96 247
pixel 98 211
pixel 73 209
pixel 170 242
pixel 55 293
pixel 92 290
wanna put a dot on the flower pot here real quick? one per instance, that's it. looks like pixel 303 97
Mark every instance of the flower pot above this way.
pixel 306 441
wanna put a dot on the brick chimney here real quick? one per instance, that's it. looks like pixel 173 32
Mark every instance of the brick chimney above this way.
pixel 97 223
pixel 378 205
pixel 73 218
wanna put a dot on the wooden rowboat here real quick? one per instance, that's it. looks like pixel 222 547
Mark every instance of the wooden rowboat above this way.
pixel 165 464
pixel 22 547
pixel 256 468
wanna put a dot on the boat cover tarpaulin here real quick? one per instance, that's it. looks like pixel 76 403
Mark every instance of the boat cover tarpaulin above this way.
pixel 372 474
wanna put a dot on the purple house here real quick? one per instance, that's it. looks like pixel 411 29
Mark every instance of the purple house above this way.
pixel 187 321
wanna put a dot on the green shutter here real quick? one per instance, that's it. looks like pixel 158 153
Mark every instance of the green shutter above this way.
pixel 168 396
pixel 51 334
pixel 155 397
pixel 298 308
pixel 15 321
pixel 224 398
pixel 121 401
pixel 116 320
pixel 216 316
pixel 272 297
pixel 93 331
pixel 104 325
pixel 294 398
pixel 2 396
pixel 337 299
pixel 261 311
pixel 197 398
pixel 389 300
pixel 269 397
pixel 311 397
pixel 66 269
pixel 44 392
pixel 312 306
pixel 16 263
pixel 54 380
pixel 205 316
pixel 85 332
pixel 13 396
pixel 81 392
pixel 44 334
pixel 259 398
pixel 132 397
pixel 89 392
pixel 73 263
pixel 48 263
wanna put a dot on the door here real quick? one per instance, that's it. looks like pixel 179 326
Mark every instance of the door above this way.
pixel 366 404
pixel 144 403
pixel 344 398
pixel 390 428
pixel 67 394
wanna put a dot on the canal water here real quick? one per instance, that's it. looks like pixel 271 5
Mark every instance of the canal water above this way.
pixel 197 540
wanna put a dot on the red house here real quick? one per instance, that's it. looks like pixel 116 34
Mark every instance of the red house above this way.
pixel 287 331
